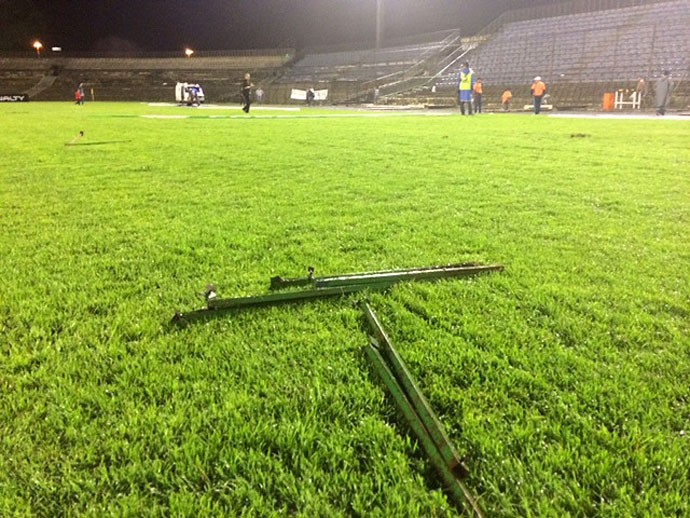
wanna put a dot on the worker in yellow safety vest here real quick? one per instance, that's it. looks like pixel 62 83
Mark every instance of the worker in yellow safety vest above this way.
pixel 465 88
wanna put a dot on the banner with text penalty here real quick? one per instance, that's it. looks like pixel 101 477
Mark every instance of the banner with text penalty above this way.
pixel 13 98
pixel 301 95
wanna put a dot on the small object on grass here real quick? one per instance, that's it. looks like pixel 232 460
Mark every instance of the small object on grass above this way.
pixel 210 292
pixel 579 135
pixel 76 138
pixel 97 143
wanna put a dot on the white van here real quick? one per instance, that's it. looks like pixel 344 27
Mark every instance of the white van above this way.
pixel 190 94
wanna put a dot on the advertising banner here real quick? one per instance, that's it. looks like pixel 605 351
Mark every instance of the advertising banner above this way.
pixel 301 95
pixel 13 98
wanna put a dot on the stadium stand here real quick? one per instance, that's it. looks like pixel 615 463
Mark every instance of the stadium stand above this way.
pixel 586 53
pixel 358 65
pixel 137 78
pixel 352 75
pixel 583 48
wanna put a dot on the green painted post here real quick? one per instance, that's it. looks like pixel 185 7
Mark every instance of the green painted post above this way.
pixel 390 276
pixel 216 305
pixel 457 489
pixel 333 287
pixel 417 274
pixel 421 405
pixel 294 296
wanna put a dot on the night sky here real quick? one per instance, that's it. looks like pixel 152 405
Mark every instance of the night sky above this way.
pixel 231 24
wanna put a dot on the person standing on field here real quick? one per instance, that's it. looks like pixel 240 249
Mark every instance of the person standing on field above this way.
pixel 538 91
pixel 478 92
pixel 663 93
pixel 311 95
pixel 465 87
pixel 259 95
pixel 505 99
pixel 641 89
pixel 79 94
pixel 247 92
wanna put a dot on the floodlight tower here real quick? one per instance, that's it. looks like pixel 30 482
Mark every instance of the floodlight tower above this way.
pixel 379 23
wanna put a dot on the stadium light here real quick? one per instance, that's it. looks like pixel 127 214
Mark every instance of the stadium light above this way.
pixel 188 52
pixel 38 46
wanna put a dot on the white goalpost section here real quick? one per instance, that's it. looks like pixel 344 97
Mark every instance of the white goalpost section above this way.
pixel 622 99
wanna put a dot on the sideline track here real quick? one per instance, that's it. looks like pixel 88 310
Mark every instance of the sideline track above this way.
pixel 359 112
pixel 591 116
pixel 621 116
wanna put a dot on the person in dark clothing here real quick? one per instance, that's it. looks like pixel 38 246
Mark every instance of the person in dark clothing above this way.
pixel 664 87
pixel 478 94
pixel 311 95
pixel 247 92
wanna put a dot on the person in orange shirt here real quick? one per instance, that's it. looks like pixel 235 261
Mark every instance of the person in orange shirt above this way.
pixel 538 91
pixel 79 94
pixel 478 92
pixel 505 99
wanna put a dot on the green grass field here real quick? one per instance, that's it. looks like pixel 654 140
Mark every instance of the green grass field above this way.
pixel 565 380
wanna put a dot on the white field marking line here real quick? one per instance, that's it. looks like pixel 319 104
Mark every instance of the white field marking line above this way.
pixel 397 107
pixel 614 116
pixel 258 108
pixel 165 116
pixel 350 115
pixel 331 116
pixel 221 107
